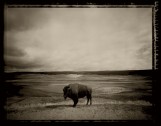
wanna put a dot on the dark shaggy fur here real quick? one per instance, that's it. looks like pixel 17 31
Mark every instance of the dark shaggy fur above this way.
pixel 76 91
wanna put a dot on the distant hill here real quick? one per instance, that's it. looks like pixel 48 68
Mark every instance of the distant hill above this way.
pixel 120 72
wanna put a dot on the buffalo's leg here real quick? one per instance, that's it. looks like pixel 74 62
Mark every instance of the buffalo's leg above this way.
pixel 90 97
pixel 87 100
pixel 75 102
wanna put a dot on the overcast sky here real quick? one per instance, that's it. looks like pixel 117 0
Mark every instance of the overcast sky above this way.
pixel 78 39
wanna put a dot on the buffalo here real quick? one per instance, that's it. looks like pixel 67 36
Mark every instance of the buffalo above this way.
pixel 76 91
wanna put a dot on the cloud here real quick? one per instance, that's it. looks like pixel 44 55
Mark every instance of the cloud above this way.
pixel 13 51
pixel 55 39
pixel 144 53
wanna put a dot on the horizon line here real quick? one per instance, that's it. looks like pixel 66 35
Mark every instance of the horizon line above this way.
pixel 84 71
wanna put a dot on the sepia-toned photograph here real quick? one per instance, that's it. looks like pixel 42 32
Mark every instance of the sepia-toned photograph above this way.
pixel 78 63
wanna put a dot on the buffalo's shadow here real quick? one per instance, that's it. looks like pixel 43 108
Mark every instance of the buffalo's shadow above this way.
pixel 58 106
pixel 63 106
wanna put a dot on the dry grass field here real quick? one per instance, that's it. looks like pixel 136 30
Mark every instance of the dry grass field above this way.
pixel 111 101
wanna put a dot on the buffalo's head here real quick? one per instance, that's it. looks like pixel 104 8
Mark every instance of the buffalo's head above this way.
pixel 66 91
